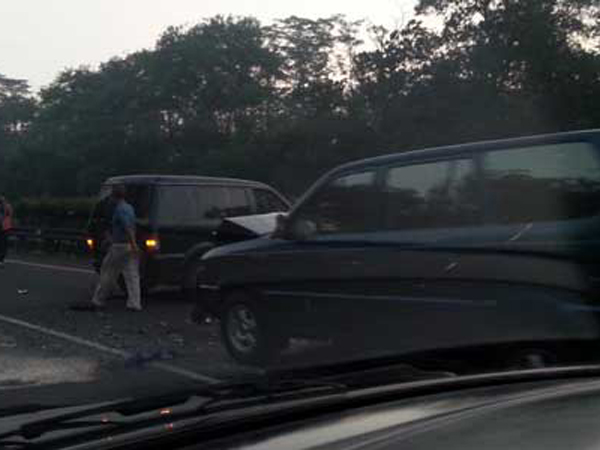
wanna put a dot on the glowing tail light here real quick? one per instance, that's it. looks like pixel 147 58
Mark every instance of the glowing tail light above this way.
pixel 152 244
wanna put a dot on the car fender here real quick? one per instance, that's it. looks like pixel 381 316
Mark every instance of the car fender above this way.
pixel 191 256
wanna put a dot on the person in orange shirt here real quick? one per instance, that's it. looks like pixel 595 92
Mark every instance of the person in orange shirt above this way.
pixel 6 215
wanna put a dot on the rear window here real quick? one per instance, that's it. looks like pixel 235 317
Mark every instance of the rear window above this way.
pixel 138 195
pixel 543 183
pixel 194 205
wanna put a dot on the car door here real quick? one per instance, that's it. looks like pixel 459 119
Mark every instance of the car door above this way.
pixel 465 285
pixel 186 215
pixel 303 279
pixel 352 269
pixel 431 208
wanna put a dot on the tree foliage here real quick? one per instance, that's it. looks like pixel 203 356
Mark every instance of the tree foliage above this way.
pixel 284 102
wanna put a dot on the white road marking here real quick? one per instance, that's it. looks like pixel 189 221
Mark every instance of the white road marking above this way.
pixel 103 348
pixel 51 266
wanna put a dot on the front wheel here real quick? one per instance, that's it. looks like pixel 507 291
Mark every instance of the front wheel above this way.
pixel 247 332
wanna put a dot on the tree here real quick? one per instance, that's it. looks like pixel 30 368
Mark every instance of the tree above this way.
pixel 533 55
pixel 17 110
pixel 214 83
pixel 285 102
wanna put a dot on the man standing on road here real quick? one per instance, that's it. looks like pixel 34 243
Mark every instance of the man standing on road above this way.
pixel 5 226
pixel 99 228
pixel 122 257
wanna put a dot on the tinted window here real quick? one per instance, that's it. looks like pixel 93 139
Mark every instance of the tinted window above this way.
pixel 349 204
pixel 138 195
pixel 190 205
pixel 543 183
pixel 237 203
pixel 267 202
pixel 433 195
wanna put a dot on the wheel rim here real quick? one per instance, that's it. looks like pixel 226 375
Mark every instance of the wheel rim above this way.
pixel 242 329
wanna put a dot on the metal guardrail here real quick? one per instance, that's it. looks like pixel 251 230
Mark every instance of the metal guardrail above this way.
pixel 48 239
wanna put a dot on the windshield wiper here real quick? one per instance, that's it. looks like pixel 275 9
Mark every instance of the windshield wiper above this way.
pixel 245 416
pixel 208 399
pixel 271 387
pixel 29 408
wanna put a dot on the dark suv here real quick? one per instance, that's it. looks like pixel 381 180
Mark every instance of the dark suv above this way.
pixel 453 246
pixel 178 218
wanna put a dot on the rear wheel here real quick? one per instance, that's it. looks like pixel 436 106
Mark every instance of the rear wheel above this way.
pixel 247 332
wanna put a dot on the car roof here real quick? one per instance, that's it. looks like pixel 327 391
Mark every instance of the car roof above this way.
pixel 474 147
pixel 183 180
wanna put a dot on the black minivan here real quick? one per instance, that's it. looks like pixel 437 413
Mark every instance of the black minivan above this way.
pixel 454 246
pixel 178 218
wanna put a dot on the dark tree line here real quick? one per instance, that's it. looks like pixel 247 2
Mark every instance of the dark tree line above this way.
pixel 283 103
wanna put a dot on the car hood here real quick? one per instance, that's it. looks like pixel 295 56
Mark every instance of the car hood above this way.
pixel 249 226
pixel 533 416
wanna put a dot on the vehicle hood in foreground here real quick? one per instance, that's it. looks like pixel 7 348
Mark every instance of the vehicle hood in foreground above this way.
pixel 538 409
pixel 541 416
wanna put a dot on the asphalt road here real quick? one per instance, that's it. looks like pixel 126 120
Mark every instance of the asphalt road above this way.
pixel 44 343
pixel 55 354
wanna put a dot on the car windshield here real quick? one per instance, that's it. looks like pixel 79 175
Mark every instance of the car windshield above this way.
pixel 195 193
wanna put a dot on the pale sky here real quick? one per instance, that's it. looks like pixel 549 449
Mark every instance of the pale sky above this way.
pixel 39 38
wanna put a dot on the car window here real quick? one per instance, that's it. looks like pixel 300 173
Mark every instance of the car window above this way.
pixel 543 183
pixel 190 205
pixel 267 202
pixel 237 202
pixel 433 195
pixel 348 204
pixel 138 195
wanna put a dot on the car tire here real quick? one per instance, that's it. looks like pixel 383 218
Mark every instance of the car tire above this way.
pixel 247 332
